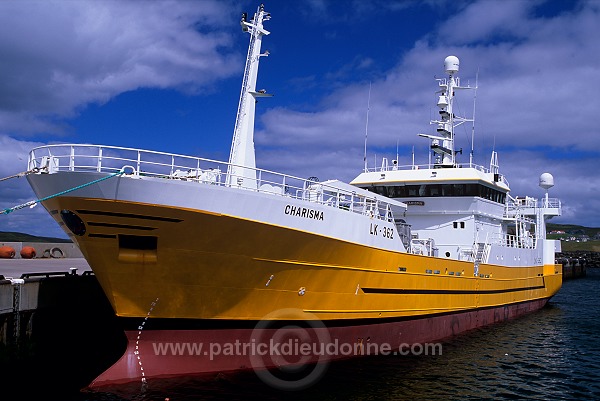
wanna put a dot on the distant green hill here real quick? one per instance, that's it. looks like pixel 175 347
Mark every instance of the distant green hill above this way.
pixel 8 236
pixel 573 229
pixel 576 231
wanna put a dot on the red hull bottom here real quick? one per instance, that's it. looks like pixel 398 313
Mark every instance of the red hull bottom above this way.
pixel 171 353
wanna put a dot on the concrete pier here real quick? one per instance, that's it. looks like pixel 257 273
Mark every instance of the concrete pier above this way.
pixel 57 328
pixel 14 268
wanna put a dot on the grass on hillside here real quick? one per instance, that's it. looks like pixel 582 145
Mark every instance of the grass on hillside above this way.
pixel 569 246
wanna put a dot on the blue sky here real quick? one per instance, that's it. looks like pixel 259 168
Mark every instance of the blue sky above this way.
pixel 166 76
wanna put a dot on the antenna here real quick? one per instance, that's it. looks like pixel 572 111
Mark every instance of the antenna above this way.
pixel 494 161
pixel 429 160
pixel 367 127
pixel 473 126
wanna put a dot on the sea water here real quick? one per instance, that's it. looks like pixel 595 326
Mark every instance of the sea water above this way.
pixel 551 354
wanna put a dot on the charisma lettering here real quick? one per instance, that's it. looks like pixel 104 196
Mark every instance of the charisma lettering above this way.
pixel 303 212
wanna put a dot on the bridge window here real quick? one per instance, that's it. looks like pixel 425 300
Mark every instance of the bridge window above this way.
pixel 437 190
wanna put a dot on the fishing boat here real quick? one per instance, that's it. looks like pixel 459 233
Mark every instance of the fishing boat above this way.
pixel 206 262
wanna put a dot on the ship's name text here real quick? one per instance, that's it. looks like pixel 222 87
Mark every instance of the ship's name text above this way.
pixel 303 212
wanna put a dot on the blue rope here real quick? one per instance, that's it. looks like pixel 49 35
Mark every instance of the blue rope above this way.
pixel 35 202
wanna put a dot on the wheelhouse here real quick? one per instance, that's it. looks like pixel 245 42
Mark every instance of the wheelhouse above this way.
pixel 395 190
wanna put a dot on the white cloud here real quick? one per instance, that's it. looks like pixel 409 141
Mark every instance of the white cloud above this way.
pixel 60 56
pixel 486 20
pixel 55 59
pixel 16 191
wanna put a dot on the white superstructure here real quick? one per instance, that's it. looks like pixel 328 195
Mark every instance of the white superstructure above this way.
pixel 464 211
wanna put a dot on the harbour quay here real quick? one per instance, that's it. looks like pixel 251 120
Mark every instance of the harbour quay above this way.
pixel 57 329
pixel 41 250
pixel 576 263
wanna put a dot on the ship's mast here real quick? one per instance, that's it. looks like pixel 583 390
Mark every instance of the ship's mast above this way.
pixel 443 143
pixel 242 163
pixel 446 122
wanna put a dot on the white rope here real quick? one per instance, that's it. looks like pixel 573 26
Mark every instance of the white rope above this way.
pixel 22 174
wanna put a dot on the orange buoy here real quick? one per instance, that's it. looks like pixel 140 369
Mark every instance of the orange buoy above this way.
pixel 7 252
pixel 28 252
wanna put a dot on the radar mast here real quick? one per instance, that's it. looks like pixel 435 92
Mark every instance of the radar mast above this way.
pixel 442 144
pixel 241 171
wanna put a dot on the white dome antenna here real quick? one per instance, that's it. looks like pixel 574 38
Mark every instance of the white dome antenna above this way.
pixel 546 181
pixel 451 64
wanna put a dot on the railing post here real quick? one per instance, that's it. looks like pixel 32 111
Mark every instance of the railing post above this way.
pixel 139 159
pixel 72 159
pixel 99 160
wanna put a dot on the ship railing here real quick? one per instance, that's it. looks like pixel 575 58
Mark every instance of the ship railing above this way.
pixel 551 203
pixel 386 167
pixel 423 246
pixel 517 202
pixel 152 164
pixel 514 241
pixel 466 254
pixel 517 207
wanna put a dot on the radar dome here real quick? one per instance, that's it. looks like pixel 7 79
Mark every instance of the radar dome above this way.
pixel 451 64
pixel 546 180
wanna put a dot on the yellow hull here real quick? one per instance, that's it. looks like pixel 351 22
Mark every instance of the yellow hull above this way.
pixel 211 266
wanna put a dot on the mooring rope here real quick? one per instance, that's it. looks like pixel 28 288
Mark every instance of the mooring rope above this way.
pixel 22 174
pixel 35 202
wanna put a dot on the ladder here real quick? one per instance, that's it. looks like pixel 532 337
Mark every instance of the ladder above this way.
pixel 480 252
